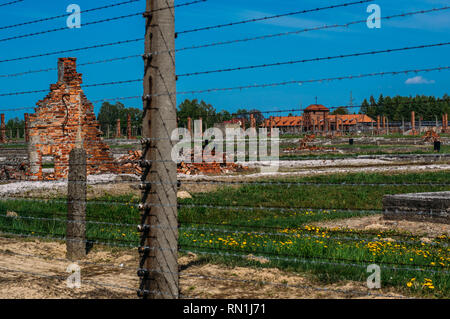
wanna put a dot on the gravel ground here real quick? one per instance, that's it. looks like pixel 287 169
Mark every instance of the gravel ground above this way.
pixel 322 170
pixel 24 186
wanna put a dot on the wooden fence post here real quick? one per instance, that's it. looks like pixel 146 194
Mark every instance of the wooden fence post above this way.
pixel 76 205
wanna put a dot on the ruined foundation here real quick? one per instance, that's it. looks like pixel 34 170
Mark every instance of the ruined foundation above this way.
pixel 430 207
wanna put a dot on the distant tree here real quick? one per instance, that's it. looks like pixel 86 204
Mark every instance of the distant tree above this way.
pixel 15 124
pixel 258 115
pixel 365 107
pixel 223 116
pixel 398 107
pixel 340 111
pixel 243 114
pixel 196 110
pixel 109 113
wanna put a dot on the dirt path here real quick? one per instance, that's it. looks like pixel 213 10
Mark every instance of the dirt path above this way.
pixel 192 187
pixel 26 271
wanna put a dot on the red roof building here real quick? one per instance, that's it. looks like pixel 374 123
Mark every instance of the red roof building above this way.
pixel 317 117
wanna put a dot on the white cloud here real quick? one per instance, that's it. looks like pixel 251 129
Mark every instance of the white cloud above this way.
pixel 419 80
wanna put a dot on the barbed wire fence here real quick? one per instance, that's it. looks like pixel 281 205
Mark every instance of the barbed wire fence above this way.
pixel 151 224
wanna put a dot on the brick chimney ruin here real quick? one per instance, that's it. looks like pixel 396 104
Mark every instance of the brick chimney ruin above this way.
pixel 63 120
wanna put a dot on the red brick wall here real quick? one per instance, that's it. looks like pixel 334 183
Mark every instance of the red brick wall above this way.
pixel 63 119
pixel 129 133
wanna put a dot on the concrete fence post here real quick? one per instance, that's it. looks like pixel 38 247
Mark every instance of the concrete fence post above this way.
pixel 158 249
pixel 76 205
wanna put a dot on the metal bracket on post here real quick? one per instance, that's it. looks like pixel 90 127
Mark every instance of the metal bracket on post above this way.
pixel 148 15
pixel 147 57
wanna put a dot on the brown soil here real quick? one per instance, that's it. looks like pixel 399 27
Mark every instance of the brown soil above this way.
pixel 106 274
pixel 377 222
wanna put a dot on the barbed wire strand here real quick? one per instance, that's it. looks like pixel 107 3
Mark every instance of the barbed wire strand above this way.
pixel 67 14
pixel 208 277
pixel 326 58
pixel 229 231
pixel 275 35
pixel 299 82
pixel 251 86
pixel 273 256
pixel 313 260
pixel 332 231
pixel 79 64
pixel 113 244
pixel 10 3
pixel 272 17
pixel 223 42
pixel 191 275
pixel 131 15
pixel 64 278
pixel 285 285
pixel 250 67
pixel 96 46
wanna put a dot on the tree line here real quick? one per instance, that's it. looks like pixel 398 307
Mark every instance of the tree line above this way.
pixel 14 126
pixel 398 107
pixel 195 109
pixel 394 108
pixel 109 113
pixel 200 109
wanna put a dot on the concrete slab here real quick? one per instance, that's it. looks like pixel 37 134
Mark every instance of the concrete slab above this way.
pixel 430 207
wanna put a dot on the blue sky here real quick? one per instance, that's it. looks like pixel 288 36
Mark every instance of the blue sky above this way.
pixel 402 32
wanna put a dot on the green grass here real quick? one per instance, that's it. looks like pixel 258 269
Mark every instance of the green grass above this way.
pixel 125 146
pixel 276 233
pixel 259 230
pixel 12 146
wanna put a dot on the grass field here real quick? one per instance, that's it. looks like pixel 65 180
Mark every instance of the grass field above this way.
pixel 283 234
